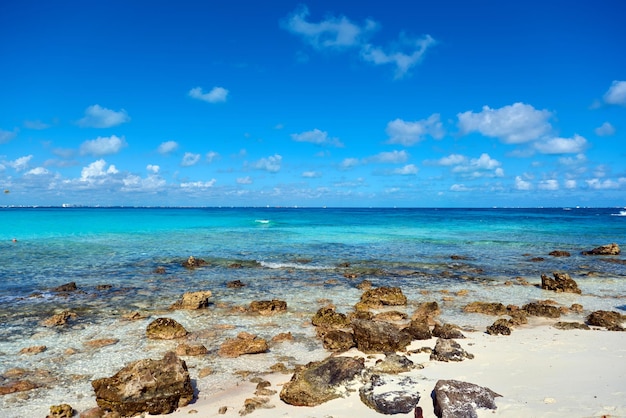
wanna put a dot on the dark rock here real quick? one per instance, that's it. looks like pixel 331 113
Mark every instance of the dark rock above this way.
pixel 67 287
pixel 319 382
pixel 426 311
pixel 235 284
pixel 561 283
pixel 160 270
pixel 449 350
pixel 542 309
pixel 245 343
pixel 383 296
pixel 337 340
pixel 152 386
pixel 193 300
pixel 609 319
pixel 104 287
pixel 61 411
pixel 268 307
pixel 609 249
pixel 165 329
pixel 570 325
pixel 192 262
pixel 448 331
pixel 488 308
pixel 393 364
pixel 500 327
pixel 557 253
pixel 389 394
pixel 379 337
pixel 456 399
pixel 418 330
pixel 537 259
pixel 458 257
pixel 327 317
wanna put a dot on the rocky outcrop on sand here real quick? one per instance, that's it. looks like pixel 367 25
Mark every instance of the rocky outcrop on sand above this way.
pixel 244 343
pixel 418 330
pixel 393 364
pixel 500 327
pixel 449 350
pixel 454 399
pixel 321 381
pixel 609 249
pixel 379 337
pixel 382 296
pixel 611 320
pixel 570 325
pixel 390 394
pixel 327 318
pixel 338 341
pixel 542 309
pixel 487 308
pixel 267 307
pixel 152 386
pixel 562 282
pixel 426 312
pixel 165 329
pixel 193 300
pixel 447 331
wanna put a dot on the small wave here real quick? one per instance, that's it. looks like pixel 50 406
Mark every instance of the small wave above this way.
pixel 262 221
pixel 621 213
pixel 298 266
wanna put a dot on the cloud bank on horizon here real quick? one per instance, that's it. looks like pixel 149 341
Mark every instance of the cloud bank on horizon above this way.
pixel 197 105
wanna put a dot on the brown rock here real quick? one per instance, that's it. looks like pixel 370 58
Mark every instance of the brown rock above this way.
pixel 160 270
pixel 426 312
pixel 542 309
pixel 252 404
pixel 102 342
pixel 562 282
pixel 193 300
pixel 338 341
pixel 98 412
pixel 391 316
pixel 235 284
pixel 383 296
pixel 245 343
pixel 152 386
pixel 609 249
pixel 500 327
pixel 282 337
pixel 418 330
pixel 609 319
pixel 379 337
pixel 193 262
pixel 447 331
pixel 185 349
pixel 59 319
pixel 327 317
pixel 557 253
pixel 165 329
pixel 488 308
pixel 268 307
pixel 364 285
pixel 570 325
pixel 393 364
pixel 36 349
pixel 61 411
pixel 17 386
pixel 67 287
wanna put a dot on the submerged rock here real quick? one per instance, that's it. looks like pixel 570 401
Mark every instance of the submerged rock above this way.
pixel 185 349
pixel 456 399
pixel 379 337
pixel 320 381
pixel 152 386
pixel 389 394
pixel 449 350
pixel 165 329
pixel 67 287
pixel 245 343
pixel 562 282
pixel 268 307
pixel 609 249
pixel 193 262
pixel 193 300
pixel 17 386
pixel 488 308
pixel 558 253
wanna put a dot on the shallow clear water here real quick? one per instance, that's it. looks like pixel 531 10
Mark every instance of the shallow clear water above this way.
pixel 297 255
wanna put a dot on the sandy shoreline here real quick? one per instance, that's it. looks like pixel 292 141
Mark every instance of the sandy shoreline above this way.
pixel 540 371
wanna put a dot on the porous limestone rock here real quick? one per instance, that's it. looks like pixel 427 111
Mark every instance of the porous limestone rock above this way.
pixel 193 300
pixel 562 282
pixel 390 394
pixel 267 307
pixel 449 350
pixel 456 399
pixel 245 343
pixel 165 329
pixel 379 337
pixel 609 249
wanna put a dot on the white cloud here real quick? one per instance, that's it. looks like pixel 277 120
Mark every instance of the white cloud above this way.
pixel 134 183
pixel 459 188
pixel 316 137
pixel 452 159
pixel 484 162
pixel 570 184
pixel 606 184
pixel 212 156
pixel 334 32
pixel 6 136
pixel 102 146
pixel 271 163
pixel 606 129
pixel 153 168
pixel 167 147
pixel 20 164
pixel 408 169
pixel 349 163
pixel 216 95
pixel 574 145
pixel 403 61
pixel 410 133
pixel 521 184
pixel 513 124
pixel 616 94
pixel 37 171
pixel 391 157
pixel 96 170
pixel 548 185
pixel 244 180
pixel 97 116
pixel 198 184
pixel 311 174
pixel 190 159
pixel 573 161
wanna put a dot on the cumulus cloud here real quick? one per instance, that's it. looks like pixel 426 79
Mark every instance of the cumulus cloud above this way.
pixel 153 168
pixel 167 147
pixel 404 57
pixel 216 95
pixel 97 170
pixel 349 163
pixel 244 180
pixel 190 159
pixel 521 184
pixel 606 129
pixel 271 163
pixel 570 184
pixel 37 171
pixel 317 137
pixel 616 94
pixel 410 133
pixel 452 159
pixel 514 124
pixel 20 164
pixel 133 183
pixel 548 185
pixel 574 145
pixel 607 184
pixel 212 156
pixel 102 146
pixel 6 136
pixel 97 116
pixel 198 184
pixel 408 169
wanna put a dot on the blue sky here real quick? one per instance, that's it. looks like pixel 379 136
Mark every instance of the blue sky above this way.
pixel 342 103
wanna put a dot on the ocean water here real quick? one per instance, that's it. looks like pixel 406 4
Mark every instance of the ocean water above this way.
pixel 306 257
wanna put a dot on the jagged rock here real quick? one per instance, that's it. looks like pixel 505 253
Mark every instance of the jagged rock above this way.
pixel 17 386
pixel 500 327
pixel 456 399
pixel 426 312
pixel 152 386
pixel 610 319
pixel 518 317
pixel 364 285
pixel 393 364
pixel 570 325
pixel 61 411
pixel 448 331
pixel 609 249
pixel 59 319
pixel 185 349
pixel 165 329
pixel 327 317
pixel 268 307
pixel 449 350
pixel 320 381
pixel 245 343
pixel 383 296
pixel 67 287
pixel 282 337
pixel 488 308
pixel 542 309
pixel 379 337
pixel 388 394
pixel 558 253
pixel 193 300
pixel 235 284
pixel 562 282
pixel 36 349
pixel 337 340
pixel 193 262
pixel 418 330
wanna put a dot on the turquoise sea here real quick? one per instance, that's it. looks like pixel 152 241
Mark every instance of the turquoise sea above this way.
pixel 307 257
